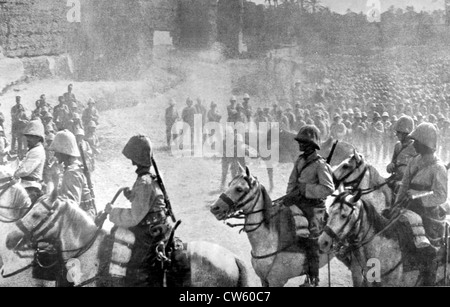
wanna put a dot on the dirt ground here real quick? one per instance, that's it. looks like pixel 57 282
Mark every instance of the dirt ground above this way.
pixel 192 183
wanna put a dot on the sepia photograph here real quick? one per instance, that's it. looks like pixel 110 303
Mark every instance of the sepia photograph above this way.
pixel 221 144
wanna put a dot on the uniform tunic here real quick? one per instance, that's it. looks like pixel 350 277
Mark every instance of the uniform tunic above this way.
pixel 32 167
pixel 403 154
pixel 74 186
pixel 146 196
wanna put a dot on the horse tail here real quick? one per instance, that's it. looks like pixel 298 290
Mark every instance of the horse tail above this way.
pixel 244 274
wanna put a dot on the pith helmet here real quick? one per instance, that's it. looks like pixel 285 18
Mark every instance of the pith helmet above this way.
pixel 35 128
pixel 92 124
pixel 65 143
pixel 405 124
pixel 139 150
pixel 310 134
pixel 426 134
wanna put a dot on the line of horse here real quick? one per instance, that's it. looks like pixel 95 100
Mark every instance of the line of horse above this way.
pixel 355 222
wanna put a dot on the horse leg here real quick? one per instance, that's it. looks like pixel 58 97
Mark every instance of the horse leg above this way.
pixel 270 174
pixel 265 283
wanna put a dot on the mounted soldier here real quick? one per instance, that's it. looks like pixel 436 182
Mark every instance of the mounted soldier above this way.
pixel 147 218
pixel 31 169
pixel 426 173
pixel 73 184
pixel 404 151
pixel 310 183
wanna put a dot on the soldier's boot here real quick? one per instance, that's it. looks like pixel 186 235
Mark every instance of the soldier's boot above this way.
pixel 312 254
pixel 429 265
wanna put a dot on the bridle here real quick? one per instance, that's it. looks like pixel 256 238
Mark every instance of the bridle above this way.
pixel 336 236
pixel 354 184
pixel 244 200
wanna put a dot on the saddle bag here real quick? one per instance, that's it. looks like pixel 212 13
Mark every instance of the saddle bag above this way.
pixel 122 248
pixel 418 231
pixel 301 222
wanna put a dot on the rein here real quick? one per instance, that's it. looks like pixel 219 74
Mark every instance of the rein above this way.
pixel 9 183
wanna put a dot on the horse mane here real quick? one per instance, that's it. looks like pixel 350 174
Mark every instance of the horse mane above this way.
pixel 268 206
pixel 377 178
pixel 377 220
pixel 80 220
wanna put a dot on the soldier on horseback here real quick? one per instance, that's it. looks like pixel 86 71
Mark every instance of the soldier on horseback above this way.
pixel 310 183
pixel 31 169
pixel 403 151
pixel 426 173
pixel 147 218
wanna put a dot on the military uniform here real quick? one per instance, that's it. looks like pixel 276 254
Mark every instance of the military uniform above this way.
pixel 147 218
pixel 310 183
pixel 74 186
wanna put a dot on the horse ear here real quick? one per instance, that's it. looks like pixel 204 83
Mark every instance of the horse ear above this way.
pixel 241 169
pixel 357 156
pixel 247 171
pixel 357 197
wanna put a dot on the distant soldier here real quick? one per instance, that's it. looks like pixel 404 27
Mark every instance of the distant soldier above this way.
pixel 69 97
pixel 19 122
pixel 233 159
pixel 247 109
pixel 61 114
pixel 283 120
pixel 267 115
pixel 319 123
pixel 291 117
pixel 213 115
pixel 297 93
pixel 386 136
pixel 171 118
pixel 338 129
pixel 86 147
pixel 91 137
pixel 260 117
pixel 377 133
pixel 49 125
pixel 188 115
pixel 233 111
pixel 201 110
pixel 90 113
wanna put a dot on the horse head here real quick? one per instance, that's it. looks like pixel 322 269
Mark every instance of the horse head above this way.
pixel 14 199
pixel 238 197
pixel 47 220
pixel 350 172
pixel 344 217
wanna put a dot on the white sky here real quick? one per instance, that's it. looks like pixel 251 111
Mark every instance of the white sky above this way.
pixel 341 6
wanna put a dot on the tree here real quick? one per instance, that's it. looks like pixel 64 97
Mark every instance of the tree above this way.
pixel 313 6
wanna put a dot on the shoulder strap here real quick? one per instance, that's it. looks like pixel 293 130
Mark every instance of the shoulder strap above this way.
pixel 308 164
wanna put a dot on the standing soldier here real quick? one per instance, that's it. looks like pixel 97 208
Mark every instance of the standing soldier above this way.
pixel 31 169
pixel 311 182
pixel 426 173
pixel 267 115
pixel 49 125
pixel 377 132
pixel 61 114
pixel 147 218
pixel 201 110
pixel 232 160
pixel 213 115
pixel 69 97
pixel 92 139
pixel 404 151
pixel 15 110
pixel 338 129
pixel 233 111
pixel 188 116
pixel 260 117
pixel 90 113
pixel 20 122
pixel 291 117
pixel 172 117
pixel 74 184
pixel 319 123
pixel 445 141
pixel 247 109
